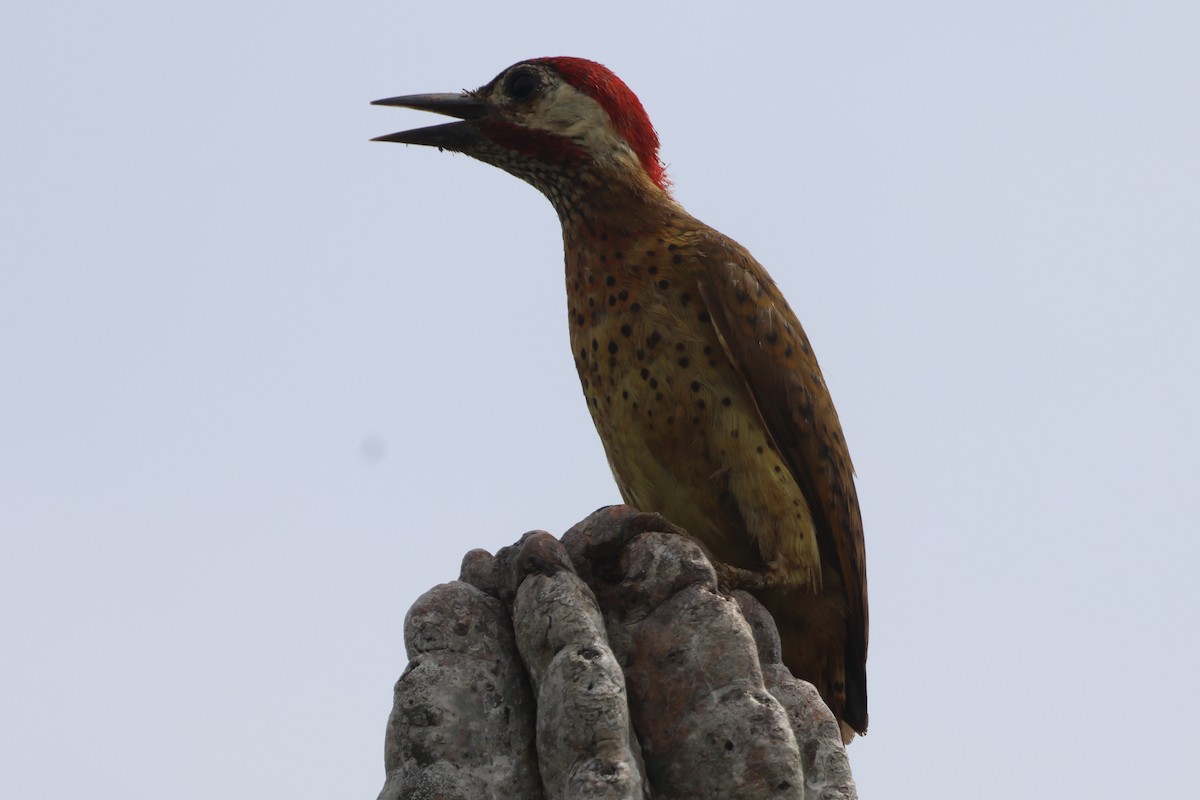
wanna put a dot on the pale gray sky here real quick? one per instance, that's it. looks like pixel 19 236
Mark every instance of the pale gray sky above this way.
pixel 265 382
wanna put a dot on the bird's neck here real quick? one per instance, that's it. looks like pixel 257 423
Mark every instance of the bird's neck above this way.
pixel 596 205
pixel 620 243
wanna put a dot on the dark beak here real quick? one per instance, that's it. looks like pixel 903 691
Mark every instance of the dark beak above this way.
pixel 451 136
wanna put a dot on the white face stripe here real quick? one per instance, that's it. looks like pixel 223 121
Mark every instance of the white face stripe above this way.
pixel 568 112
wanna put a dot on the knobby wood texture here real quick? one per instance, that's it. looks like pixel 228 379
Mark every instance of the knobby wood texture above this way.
pixel 609 664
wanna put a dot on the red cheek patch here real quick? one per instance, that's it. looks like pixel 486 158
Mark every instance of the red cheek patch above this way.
pixel 532 142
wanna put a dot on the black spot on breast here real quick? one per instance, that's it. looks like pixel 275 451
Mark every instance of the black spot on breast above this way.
pixel 683 362
pixel 626 330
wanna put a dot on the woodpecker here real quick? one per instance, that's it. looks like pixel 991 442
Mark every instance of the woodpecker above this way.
pixel 698 376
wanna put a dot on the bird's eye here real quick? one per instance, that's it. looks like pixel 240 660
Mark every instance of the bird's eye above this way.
pixel 522 85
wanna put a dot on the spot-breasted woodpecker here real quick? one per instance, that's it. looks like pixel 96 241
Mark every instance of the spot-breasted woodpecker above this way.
pixel 701 382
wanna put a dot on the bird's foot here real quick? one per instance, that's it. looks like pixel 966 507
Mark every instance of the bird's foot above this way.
pixel 730 578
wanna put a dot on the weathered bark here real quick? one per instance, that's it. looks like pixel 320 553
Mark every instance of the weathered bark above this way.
pixel 607 665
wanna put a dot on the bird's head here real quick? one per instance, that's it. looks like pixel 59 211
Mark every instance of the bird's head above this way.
pixel 546 120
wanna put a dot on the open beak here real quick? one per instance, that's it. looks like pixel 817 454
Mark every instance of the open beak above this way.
pixel 452 135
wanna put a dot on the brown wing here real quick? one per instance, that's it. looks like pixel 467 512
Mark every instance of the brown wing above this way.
pixel 766 342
